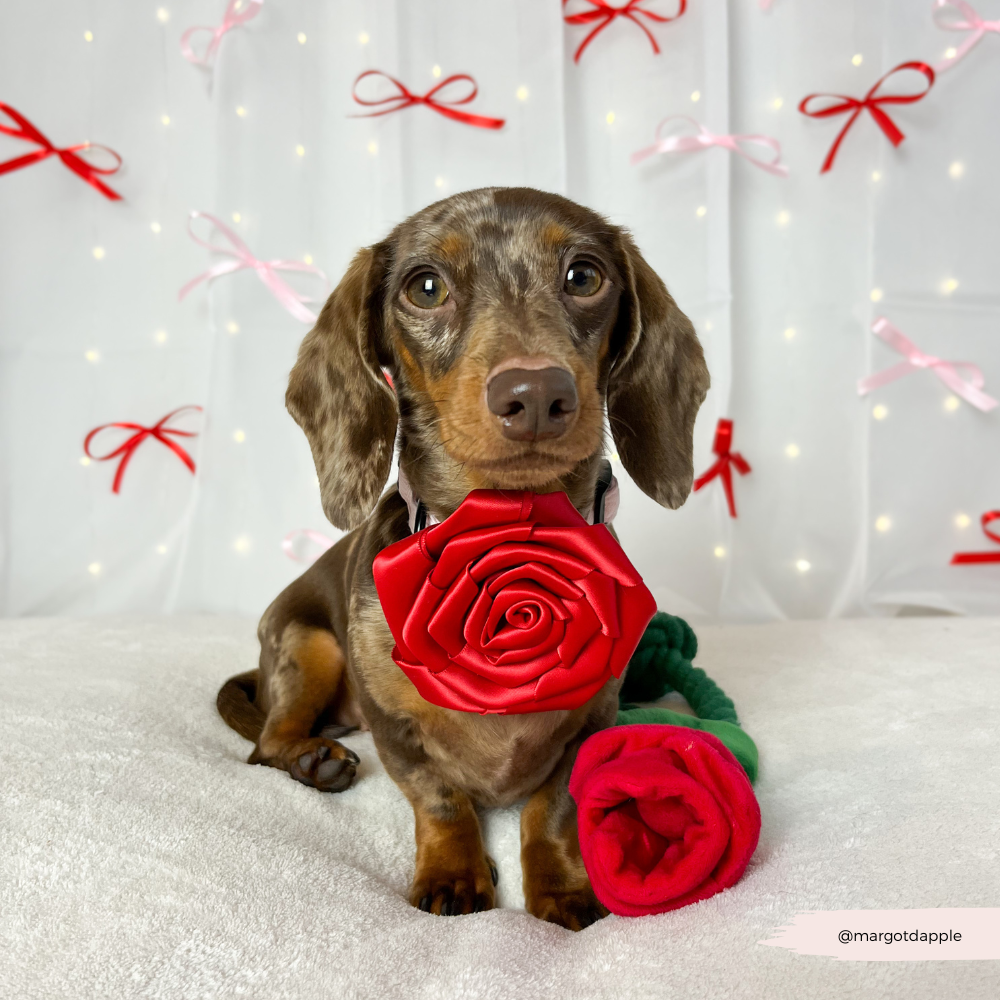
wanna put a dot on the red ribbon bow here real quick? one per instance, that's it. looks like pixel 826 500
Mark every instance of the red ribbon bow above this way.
pixel 871 103
pixel 159 430
pixel 721 446
pixel 965 558
pixel 604 13
pixel 77 164
pixel 406 98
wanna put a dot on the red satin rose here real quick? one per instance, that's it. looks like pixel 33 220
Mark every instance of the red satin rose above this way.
pixel 666 816
pixel 513 604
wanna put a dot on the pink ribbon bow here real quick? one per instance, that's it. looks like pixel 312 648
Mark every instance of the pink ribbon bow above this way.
pixel 766 4
pixel 266 269
pixel 604 13
pixel 968 389
pixel 238 12
pixel 968 20
pixel 125 451
pixel 317 538
pixel 722 446
pixel 969 558
pixel 30 133
pixel 704 139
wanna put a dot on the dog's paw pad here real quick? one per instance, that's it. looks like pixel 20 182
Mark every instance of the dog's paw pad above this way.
pixel 574 910
pixel 324 764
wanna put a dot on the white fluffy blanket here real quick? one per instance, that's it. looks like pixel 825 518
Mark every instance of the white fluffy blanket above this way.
pixel 142 858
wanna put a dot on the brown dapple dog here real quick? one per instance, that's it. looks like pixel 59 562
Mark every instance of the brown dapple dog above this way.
pixel 510 320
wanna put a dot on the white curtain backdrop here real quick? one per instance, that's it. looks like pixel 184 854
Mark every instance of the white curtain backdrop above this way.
pixel 852 506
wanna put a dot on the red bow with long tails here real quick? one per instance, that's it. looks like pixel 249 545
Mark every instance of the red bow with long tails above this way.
pixel 77 164
pixel 602 12
pixel 159 430
pixel 406 98
pixel 966 558
pixel 726 458
pixel 869 103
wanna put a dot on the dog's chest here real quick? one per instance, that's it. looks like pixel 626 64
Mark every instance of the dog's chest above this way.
pixel 497 759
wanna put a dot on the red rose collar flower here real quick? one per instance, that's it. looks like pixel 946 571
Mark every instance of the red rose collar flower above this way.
pixel 513 604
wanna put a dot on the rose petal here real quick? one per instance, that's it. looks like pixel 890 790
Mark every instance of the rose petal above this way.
pixel 511 554
pixel 590 665
pixel 480 509
pixel 594 545
pixel 444 625
pixel 545 575
pixel 464 549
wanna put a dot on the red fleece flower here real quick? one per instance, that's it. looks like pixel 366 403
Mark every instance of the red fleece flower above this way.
pixel 513 604
pixel 666 816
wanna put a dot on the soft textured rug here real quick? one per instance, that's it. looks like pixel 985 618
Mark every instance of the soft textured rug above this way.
pixel 142 858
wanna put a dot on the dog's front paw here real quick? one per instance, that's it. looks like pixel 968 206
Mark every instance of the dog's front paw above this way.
pixel 320 763
pixel 573 909
pixel 449 892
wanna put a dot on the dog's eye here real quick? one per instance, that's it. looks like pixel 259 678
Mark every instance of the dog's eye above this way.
pixel 427 291
pixel 583 278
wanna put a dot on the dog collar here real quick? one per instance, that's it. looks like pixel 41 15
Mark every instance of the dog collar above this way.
pixel 606 500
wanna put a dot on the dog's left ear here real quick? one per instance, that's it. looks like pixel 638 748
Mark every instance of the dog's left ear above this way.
pixel 658 381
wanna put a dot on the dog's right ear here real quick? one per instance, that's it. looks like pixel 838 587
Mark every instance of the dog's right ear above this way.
pixel 339 396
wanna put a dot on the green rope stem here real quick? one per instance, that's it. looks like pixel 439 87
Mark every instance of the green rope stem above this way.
pixel 662 663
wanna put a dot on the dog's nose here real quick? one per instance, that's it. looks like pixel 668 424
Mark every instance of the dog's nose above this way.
pixel 532 405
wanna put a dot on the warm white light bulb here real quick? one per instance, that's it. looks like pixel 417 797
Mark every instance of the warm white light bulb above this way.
pixel 300 150
pixel 956 170
pixel 161 549
pixel 237 216
pixel 85 460
pixel 165 119
pixel 88 36
pixel 719 552
pixel 610 118
pixel 876 176
pixel 373 147
pixel 156 227
pixel 241 111
pixel 242 544
pixel 783 218
pixel 307 258
pixel 301 36
pixel 880 412
pixel 696 96
pixel 94 569
pixel 803 565
pixel 162 15
pixel 883 523
pixel 776 103
pixel 522 93
pixel 789 332
pixel 439 182
pixel 363 38
pixel 92 356
pixel 792 450
pixel 161 336
pixel 232 327
pixel 875 295
pixel 858 59
pixel 98 253
pixel 951 404
pixel 962 520
pixel 701 211
pixel 949 285
pixel 436 72
pixel 239 436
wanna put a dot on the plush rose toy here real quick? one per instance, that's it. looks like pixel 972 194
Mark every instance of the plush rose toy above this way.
pixel 665 810
pixel 512 604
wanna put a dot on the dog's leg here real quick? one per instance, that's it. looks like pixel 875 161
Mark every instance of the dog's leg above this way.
pixel 556 886
pixel 308 668
pixel 453 873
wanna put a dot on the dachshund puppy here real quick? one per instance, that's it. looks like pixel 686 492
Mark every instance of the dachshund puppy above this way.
pixel 510 321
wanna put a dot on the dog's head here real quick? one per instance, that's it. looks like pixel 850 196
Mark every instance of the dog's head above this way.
pixel 508 318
